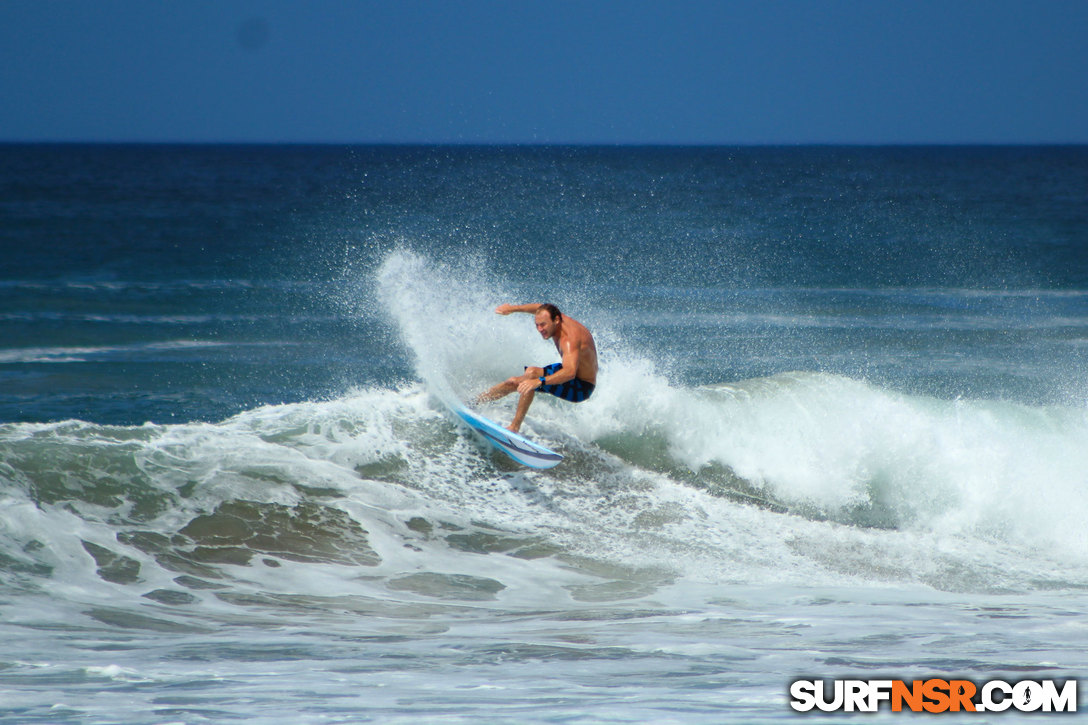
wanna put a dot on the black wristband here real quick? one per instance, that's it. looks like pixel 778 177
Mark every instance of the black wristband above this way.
pixel 542 380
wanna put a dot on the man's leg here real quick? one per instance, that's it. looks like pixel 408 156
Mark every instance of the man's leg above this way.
pixel 499 391
pixel 508 386
pixel 523 407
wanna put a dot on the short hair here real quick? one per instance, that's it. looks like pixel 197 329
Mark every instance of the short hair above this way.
pixel 552 311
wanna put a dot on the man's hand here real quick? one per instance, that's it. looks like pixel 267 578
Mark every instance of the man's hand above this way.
pixel 528 385
pixel 505 309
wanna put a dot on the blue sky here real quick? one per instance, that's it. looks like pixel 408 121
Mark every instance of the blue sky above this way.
pixel 560 71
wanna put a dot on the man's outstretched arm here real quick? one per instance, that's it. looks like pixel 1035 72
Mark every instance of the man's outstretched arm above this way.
pixel 530 308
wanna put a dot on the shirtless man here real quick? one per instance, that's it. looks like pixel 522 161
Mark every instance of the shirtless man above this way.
pixel 573 379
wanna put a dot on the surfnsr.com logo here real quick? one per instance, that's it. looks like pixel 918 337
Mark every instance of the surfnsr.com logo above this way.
pixel 933 695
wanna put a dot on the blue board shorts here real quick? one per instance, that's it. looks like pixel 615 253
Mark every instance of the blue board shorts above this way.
pixel 575 390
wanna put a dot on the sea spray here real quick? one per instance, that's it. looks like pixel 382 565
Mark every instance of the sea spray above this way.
pixel 444 315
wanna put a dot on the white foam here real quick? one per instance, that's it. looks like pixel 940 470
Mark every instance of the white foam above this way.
pixel 982 468
pixel 68 354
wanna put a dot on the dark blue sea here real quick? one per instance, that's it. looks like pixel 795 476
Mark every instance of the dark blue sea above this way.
pixel 840 430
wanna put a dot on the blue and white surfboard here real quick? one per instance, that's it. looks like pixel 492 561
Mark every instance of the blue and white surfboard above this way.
pixel 515 445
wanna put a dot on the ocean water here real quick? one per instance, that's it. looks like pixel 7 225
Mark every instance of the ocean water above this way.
pixel 840 431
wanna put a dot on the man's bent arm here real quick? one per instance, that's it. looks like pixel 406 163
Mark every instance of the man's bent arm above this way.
pixel 569 369
pixel 530 308
pixel 560 376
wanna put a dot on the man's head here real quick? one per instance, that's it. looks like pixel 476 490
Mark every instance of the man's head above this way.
pixel 548 320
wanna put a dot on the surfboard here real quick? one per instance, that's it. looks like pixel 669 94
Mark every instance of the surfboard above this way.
pixel 515 445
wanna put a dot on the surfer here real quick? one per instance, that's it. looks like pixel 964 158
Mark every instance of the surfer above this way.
pixel 572 379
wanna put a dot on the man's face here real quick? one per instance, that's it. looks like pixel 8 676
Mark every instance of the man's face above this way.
pixel 545 325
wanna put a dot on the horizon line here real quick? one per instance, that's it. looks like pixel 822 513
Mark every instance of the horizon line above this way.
pixel 555 144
